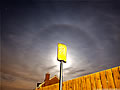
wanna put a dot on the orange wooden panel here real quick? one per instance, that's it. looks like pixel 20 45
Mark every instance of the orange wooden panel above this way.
pixel 70 85
pixel 76 84
pixel 88 83
pixel 67 85
pixel 43 88
pixel 73 84
pixel 116 76
pixel 98 81
pixel 110 79
pixel 57 86
pixel 80 83
pixel 64 86
pixel 50 87
pixel 83 83
pixel 103 80
pixel 46 88
pixel 92 79
pixel 53 87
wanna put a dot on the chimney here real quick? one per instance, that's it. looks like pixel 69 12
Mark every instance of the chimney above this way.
pixel 47 77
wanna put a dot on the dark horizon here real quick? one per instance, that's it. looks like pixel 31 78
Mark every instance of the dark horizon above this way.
pixel 30 31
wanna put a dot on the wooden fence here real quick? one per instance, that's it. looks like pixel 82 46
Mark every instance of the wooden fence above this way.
pixel 104 80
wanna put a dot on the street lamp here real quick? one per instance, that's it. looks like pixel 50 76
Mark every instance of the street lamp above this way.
pixel 61 56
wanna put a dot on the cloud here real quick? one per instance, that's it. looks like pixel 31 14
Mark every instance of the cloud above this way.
pixel 83 74
pixel 7 77
pixel 76 71
pixel 51 67
pixel 12 88
pixel 67 68
pixel 11 75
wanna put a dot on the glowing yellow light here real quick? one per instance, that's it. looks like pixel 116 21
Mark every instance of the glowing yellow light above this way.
pixel 61 52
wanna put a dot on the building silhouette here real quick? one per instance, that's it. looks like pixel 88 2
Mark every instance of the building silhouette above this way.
pixel 48 81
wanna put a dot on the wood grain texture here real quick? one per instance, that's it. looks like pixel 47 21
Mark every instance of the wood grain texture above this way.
pixel 88 83
pixel 110 79
pixel 103 80
pixel 93 84
pixel 64 86
pixel 80 83
pixel 116 76
pixel 70 85
pixel 98 81
pixel 83 83
pixel 77 84
pixel 73 84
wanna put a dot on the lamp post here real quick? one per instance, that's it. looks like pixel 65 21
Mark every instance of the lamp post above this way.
pixel 61 56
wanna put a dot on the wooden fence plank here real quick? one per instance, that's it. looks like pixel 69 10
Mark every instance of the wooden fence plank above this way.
pixel 51 87
pixel 43 88
pixel 103 80
pixel 110 79
pixel 64 85
pixel 79 84
pixel 47 88
pixel 92 79
pixel 54 88
pixel 57 86
pixel 83 83
pixel 73 84
pixel 67 85
pixel 88 83
pixel 98 81
pixel 70 85
pixel 116 76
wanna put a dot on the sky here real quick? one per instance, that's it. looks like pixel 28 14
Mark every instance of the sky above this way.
pixel 30 32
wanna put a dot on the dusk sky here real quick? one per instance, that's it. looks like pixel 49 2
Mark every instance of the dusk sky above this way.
pixel 31 30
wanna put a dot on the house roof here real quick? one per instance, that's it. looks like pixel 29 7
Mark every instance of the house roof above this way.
pixel 49 81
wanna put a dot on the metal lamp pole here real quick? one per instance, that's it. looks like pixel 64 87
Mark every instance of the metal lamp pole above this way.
pixel 61 56
pixel 61 75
